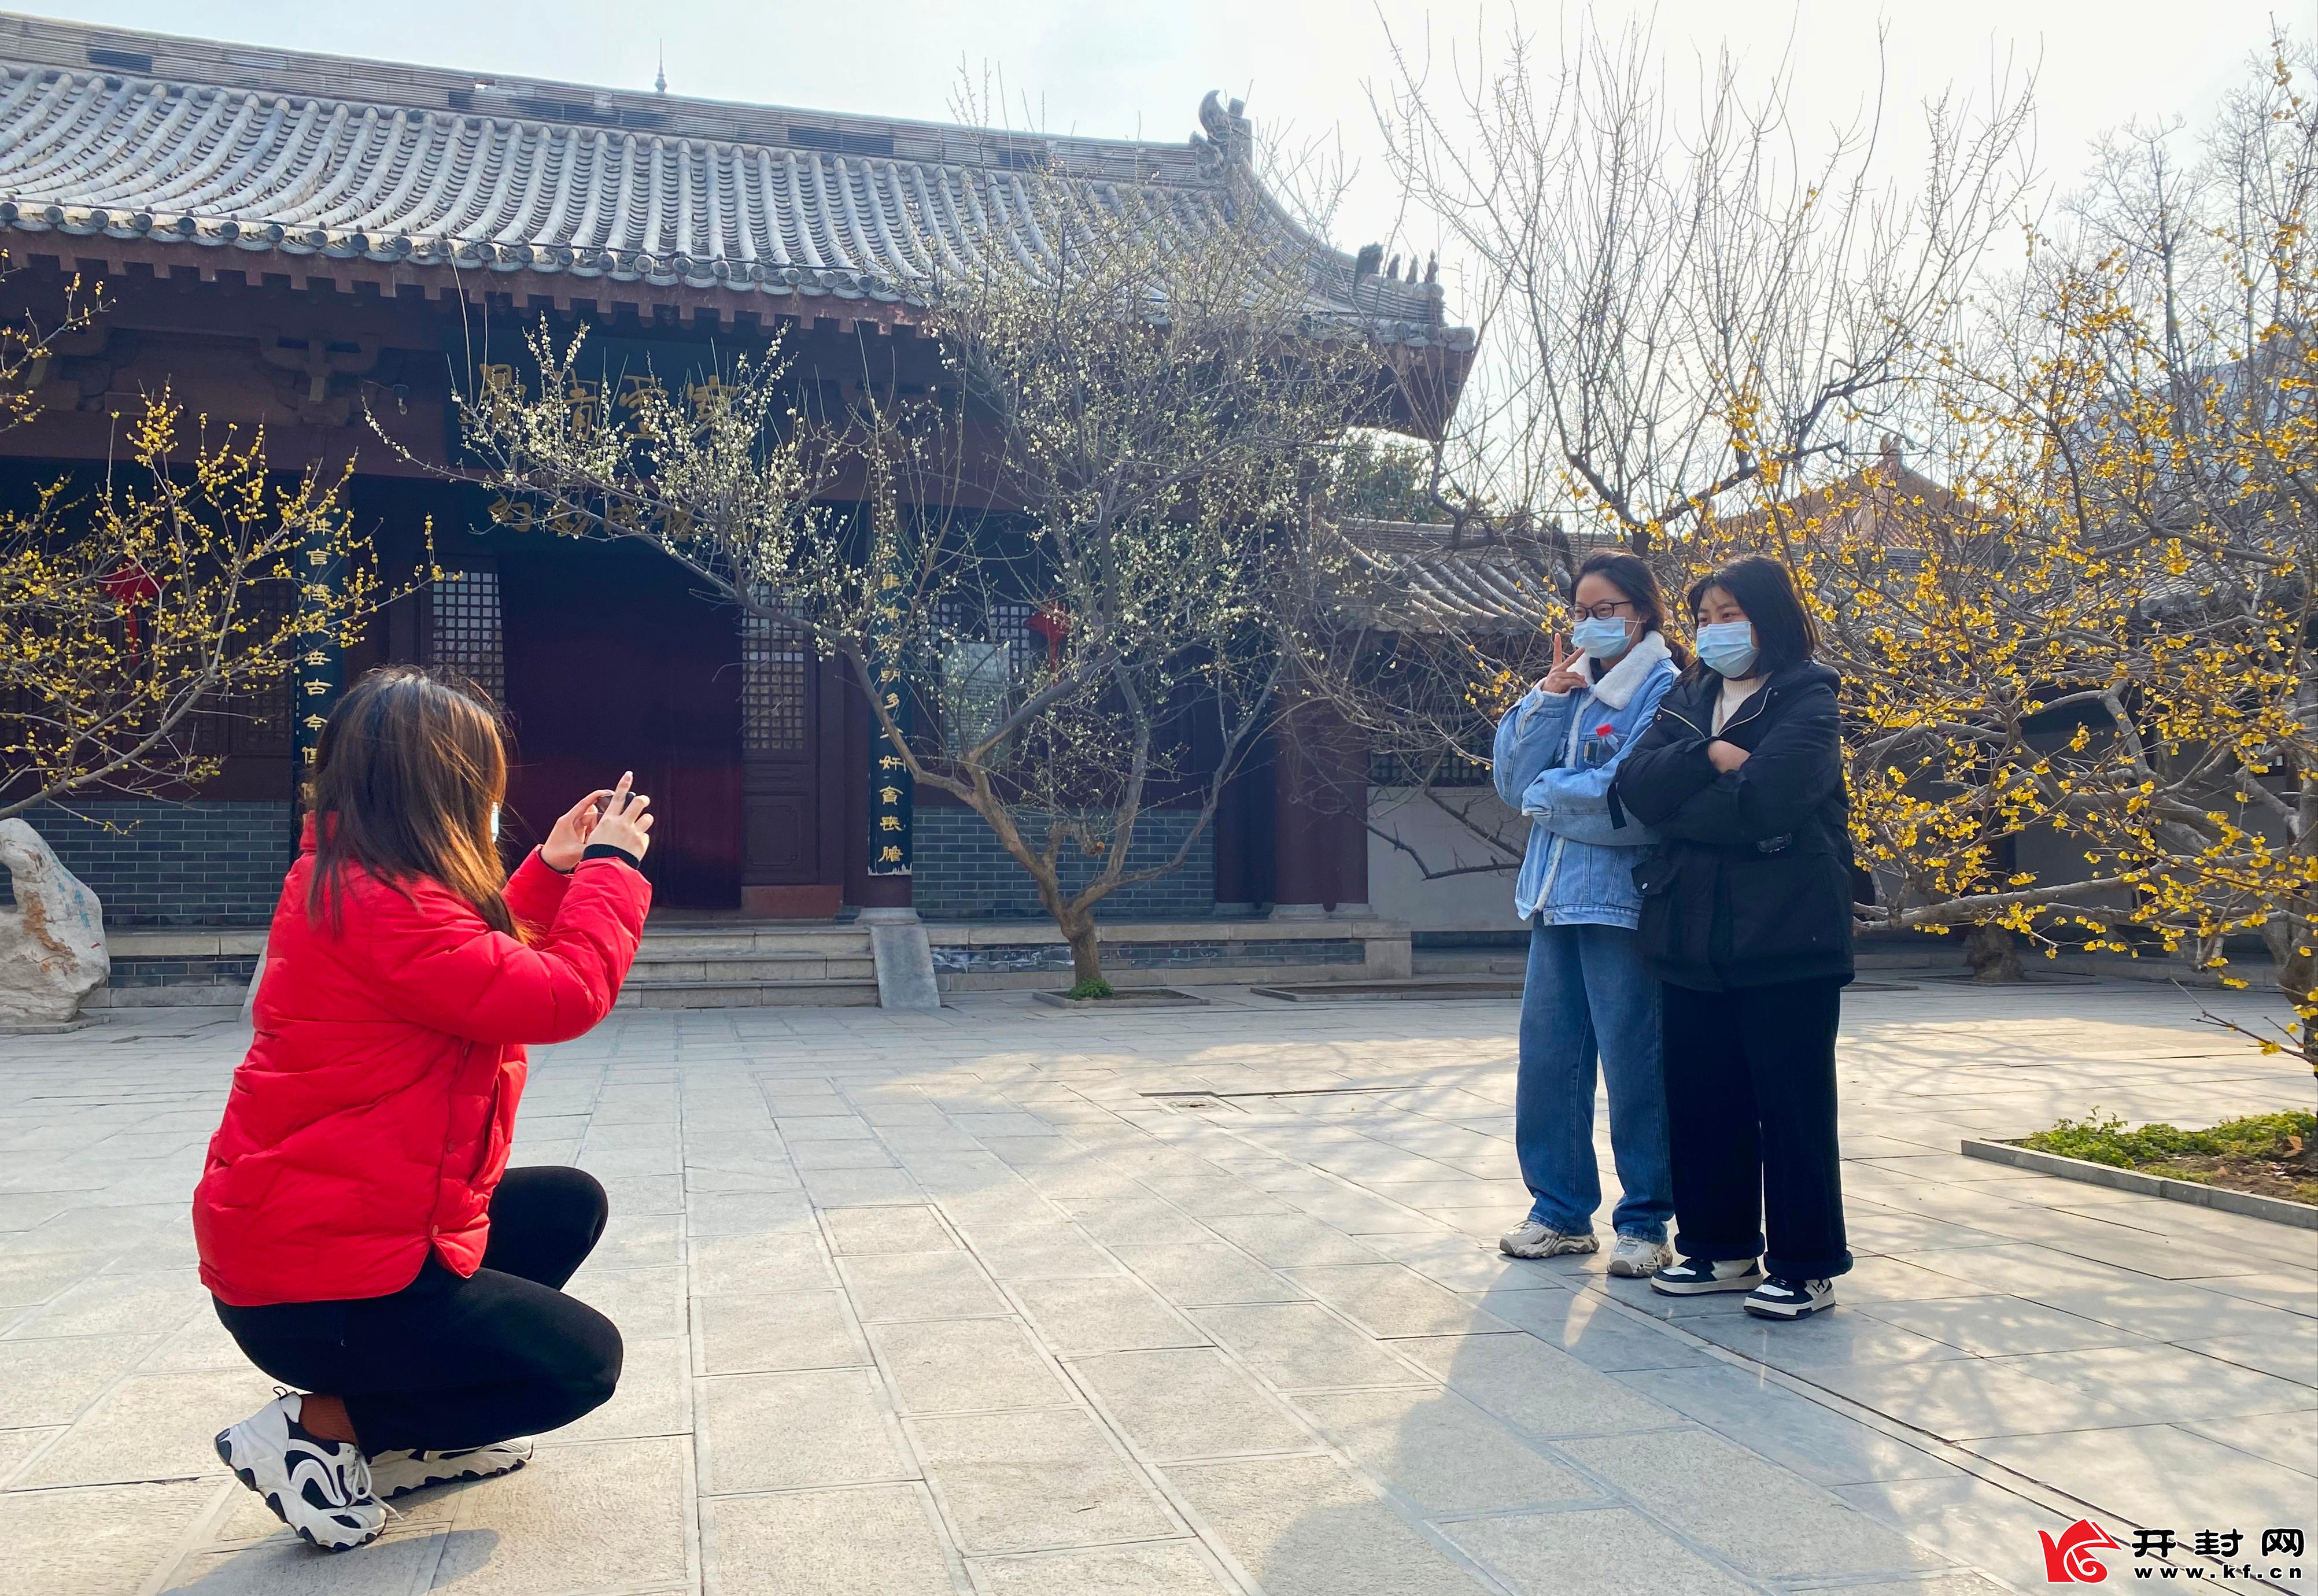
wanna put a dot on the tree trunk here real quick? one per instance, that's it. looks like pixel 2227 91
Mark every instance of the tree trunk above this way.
pixel 1086 952
pixel 1993 955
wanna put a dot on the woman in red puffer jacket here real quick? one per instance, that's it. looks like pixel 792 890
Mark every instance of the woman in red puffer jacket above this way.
pixel 358 1226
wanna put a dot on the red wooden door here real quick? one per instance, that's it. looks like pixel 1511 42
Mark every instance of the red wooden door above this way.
pixel 614 662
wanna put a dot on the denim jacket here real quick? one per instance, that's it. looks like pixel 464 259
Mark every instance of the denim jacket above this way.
pixel 1555 764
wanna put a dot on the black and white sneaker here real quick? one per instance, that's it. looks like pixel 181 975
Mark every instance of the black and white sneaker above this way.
pixel 1781 1298
pixel 1695 1276
pixel 393 1473
pixel 320 1488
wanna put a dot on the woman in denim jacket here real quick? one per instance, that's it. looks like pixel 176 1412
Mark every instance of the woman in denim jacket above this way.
pixel 1557 750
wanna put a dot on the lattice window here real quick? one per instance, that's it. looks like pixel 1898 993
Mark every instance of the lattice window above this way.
pixel 463 635
pixel 772 680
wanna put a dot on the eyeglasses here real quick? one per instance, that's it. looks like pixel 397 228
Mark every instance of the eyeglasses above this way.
pixel 1606 611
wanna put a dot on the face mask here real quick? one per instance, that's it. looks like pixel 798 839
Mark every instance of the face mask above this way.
pixel 1602 639
pixel 1728 647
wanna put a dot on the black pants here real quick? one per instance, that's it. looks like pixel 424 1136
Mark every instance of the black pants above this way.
pixel 1750 1106
pixel 446 1363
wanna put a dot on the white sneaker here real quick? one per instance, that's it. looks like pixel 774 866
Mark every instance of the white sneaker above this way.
pixel 322 1489
pixel 1781 1298
pixel 393 1473
pixel 1694 1276
pixel 1528 1239
pixel 1633 1258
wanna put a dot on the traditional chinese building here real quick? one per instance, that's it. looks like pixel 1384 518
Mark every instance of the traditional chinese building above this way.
pixel 305 242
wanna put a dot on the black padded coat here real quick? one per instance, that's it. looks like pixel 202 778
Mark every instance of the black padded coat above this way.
pixel 1751 882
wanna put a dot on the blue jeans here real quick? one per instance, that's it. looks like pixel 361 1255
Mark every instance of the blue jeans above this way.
pixel 1586 994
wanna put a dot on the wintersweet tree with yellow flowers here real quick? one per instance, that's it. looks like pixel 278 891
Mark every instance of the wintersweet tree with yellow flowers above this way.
pixel 2079 674
pixel 135 610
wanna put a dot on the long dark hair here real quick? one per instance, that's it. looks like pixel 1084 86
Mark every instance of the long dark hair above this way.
pixel 405 775
pixel 1784 632
pixel 1634 578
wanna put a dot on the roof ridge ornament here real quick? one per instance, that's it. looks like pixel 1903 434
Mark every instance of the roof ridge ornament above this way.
pixel 1228 128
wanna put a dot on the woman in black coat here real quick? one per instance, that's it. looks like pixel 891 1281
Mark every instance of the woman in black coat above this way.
pixel 1747 919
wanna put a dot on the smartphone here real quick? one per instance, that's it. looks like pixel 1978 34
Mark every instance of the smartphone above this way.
pixel 604 804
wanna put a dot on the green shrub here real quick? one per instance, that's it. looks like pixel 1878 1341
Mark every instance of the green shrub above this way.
pixel 1093 986
pixel 2107 1142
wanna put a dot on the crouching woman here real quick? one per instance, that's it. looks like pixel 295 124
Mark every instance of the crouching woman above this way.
pixel 1588 993
pixel 1747 918
pixel 357 1224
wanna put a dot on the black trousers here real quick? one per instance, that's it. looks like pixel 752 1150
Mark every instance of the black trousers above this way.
pixel 1750 1106
pixel 446 1363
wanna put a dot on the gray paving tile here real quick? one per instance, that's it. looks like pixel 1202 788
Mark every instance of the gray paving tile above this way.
pixel 610 1515
pixel 918 1285
pixel 17 1445
pixel 2288 1439
pixel 2296 1291
pixel 153 1301
pixel 746 1213
pixel 1815 1442
pixel 1761 1518
pixel 1603 1552
pixel 27 1279
pixel 1965 1397
pixel 1537 1387
pixel 654 1396
pixel 645 1303
pixel 1187 1403
pixel 1025 1481
pixel 958 1366
pixel 1593 1329
pixel 99 1542
pixel 2158 1473
pixel 769 1331
pixel 1283 1239
pixel 396 1565
pixel 791 1259
pixel 1390 1299
pixel 2166 1385
pixel 2172 1310
pixel 49 1382
pixel 1201 1274
pixel 773 1432
pixel 1305 1527
pixel 911 1228
pixel 843 1189
pixel 1114 1314
pixel 1440 1452
pixel 1154 1568
pixel 868 1540
pixel 2020 1267
pixel 1842 1339
pixel 151 1427
pixel 2289 1358
pixel 1300 1346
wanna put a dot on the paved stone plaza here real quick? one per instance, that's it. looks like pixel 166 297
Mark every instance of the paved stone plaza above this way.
pixel 1013 1300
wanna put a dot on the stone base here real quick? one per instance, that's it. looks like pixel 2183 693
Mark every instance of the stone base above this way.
pixel 45 1027
pixel 1030 956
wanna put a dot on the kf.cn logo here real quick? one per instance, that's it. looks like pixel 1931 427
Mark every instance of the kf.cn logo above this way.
pixel 2069 1560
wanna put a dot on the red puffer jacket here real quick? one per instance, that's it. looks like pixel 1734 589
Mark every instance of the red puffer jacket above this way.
pixel 370 1121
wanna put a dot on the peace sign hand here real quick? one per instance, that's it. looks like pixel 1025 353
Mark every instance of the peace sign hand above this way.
pixel 1567 675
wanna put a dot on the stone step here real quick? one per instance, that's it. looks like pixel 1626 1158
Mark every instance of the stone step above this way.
pixel 763 968
pixel 749 941
pixel 750 994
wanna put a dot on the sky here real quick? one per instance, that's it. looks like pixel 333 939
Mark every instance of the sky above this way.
pixel 1305 67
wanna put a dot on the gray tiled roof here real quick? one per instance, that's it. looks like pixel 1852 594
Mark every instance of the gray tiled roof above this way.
pixel 1417 578
pixel 215 146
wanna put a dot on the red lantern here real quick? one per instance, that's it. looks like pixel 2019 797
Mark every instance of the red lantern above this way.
pixel 128 586
pixel 1052 624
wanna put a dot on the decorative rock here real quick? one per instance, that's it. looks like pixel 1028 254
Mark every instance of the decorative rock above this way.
pixel 53 952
